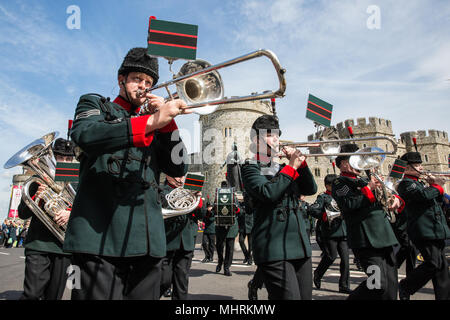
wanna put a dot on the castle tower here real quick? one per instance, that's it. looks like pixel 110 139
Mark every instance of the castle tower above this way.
pixel 230 123
pixel 434 148
pixel 321 166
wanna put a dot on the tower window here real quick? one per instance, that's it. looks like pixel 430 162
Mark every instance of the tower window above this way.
pixel 426 158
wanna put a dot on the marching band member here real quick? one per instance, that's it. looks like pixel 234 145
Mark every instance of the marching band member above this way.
pixel 427 229
pixel 45 262
pixel 245 222
pixel 334 237
pixel 116 228
pixel 281 247
pixel 209 233
pixel 181 232
pixel 226 235
pixel 369 232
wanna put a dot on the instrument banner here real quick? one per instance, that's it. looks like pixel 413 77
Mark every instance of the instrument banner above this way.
pixel 225 214
pixel 194 182
pixel 172 39
pixel 67 171
pixel 398 169
pixel 319 111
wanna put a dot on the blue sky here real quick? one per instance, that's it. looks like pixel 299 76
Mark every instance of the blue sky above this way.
pixel 398 72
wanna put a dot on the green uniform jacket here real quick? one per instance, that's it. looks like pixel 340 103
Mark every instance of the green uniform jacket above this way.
pixel 210 222
pixel 232 231
pixel 181 230
pixel 245 220
pixel 39 237
pixel 337 229
pixel 117 211
pixel 279 229
pixel 426 219
pixel 365 219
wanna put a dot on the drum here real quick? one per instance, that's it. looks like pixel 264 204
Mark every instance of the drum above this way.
pixel 225 214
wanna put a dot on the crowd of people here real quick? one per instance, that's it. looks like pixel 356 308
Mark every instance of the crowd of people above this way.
pixel 13 233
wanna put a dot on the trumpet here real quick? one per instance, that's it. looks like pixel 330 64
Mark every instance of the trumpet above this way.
pixel 200 85
pixel 426 175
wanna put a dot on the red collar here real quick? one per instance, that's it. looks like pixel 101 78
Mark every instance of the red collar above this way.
pixel 123 103
pixel 262 158
pixel 349 175
pixel 328 192
pixel 411 177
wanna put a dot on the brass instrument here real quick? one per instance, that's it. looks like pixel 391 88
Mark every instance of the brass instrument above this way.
pixel 426 174
pixel 38 158
pixel 386 192
pixel 200 85
pixel 334 149
pixel 180 201
pixel 332 210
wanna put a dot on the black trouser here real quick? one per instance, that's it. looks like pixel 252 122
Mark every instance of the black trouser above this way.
pixel 386 286
pixel 247 252
pixel 288 279
pixel 406 253
pixel 175 273
pixel 45 276
pixel 113 278
pixel 333 247
pixel 258 279
pixel 208 245
pixel 434 268
pixel 229 250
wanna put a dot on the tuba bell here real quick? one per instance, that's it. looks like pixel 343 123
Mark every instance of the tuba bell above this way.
pixel 37 158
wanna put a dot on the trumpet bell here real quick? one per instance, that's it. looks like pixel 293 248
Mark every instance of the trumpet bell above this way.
pixel 367 162
pixel 200 88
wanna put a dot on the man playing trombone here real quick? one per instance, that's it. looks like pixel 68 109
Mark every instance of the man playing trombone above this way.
pixel 116 228
pixel 426 228
pixel 282 250
pixel 369 233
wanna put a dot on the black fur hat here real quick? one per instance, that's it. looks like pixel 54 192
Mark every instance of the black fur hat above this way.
pixel 138 60
pixel 329 179
pixel 412 157
pixel 63 147
pixel 350 147
pixel 265 122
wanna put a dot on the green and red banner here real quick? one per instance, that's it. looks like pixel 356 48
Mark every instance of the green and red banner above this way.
pixel 398 169
pixel 194 182
pixel 67 171
pixel 172 39
pixel 319 111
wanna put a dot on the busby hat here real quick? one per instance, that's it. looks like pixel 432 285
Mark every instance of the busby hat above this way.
pixel 412 157
pixel 265 122
pixel 63 147
pixel 350 147
pixel 138 60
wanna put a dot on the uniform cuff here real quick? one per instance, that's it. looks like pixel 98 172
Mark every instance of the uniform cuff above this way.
pixel 200 204
pixel 303 165
pixel 441 190
pixel 324 217
pixel 368 193
pixel 402 202
pixel 172 126
pixel 289 171
pixel 138 125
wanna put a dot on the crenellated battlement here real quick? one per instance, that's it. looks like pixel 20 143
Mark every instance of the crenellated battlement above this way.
pixel 422 137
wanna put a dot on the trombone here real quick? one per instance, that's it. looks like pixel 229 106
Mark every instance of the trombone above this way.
pixel 199 84
pixel 334 151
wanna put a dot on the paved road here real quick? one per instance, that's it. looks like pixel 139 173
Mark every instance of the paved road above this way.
pixel 204 283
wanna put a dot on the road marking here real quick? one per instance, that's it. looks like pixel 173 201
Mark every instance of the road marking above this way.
pixel 22 257
pixel 6 254
pixel 215 263
pixel 356 274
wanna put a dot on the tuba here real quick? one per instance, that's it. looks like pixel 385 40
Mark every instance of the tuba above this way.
pixel 38 158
